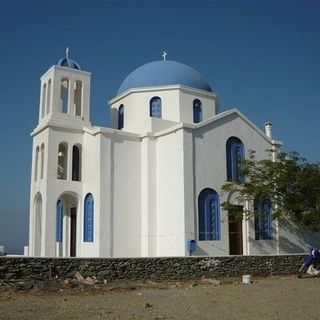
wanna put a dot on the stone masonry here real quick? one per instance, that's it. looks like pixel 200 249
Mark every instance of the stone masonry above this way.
pixel 40 269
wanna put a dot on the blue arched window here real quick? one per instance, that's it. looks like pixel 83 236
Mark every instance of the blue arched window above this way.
pixel 197 111
pixel 155 107
pixel 235 153
pixel 120 117
pixel 59 221
pixel 209 215
pixel 263 219
pixel 88 218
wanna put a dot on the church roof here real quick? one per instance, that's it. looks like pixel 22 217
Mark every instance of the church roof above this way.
pixel 164 72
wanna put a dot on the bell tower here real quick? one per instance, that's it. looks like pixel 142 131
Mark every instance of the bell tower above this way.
pixel 57 158
pixel 65 94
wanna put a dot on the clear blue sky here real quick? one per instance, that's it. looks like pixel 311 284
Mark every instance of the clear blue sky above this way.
pixel 260 56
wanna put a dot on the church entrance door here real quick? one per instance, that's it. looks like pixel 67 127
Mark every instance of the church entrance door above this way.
pixel 235 232
pixel 73 232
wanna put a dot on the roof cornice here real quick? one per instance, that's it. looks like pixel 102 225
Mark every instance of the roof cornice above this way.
pixel 162 88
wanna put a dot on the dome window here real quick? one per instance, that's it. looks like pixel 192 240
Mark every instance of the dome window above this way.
pixel 120 117
pixel 155 107
pixel 197 111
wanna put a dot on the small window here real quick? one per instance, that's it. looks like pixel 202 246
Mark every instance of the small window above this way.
pixel 155 107
pixel 197 111
pixel 43 100
pixel 88 218
pixel 64 95
pixel 77 98
pixel 36 164
pixel 120 117
pixel 48 97
pixel 42 161
pixel 76 163
pixel 209 215
pixel 263 219
pixel 234 156
pixel 62 161
pixel 59 221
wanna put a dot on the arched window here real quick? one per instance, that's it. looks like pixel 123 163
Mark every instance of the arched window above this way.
pixel 42 161
pixel 36 164
pixel 43 100
pixel 77 97
pixel 263 219
pixel 59 221
pixel 155 107
pixel 235 153
pixel 197 111
pixel 209 215
pixel 48 96
pixel 64 95
pixel 76 163
pixel 37 225
pixel 88 218
pixel 120 117
pixel 62 161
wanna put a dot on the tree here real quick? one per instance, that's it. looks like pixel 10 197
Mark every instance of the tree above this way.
pixel 288 180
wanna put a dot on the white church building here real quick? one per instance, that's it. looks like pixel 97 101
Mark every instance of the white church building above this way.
pixel 149 185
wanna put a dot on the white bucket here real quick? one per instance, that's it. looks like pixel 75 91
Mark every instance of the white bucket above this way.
pixel 246 279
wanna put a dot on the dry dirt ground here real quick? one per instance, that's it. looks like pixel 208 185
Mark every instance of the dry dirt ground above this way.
pixel 266 298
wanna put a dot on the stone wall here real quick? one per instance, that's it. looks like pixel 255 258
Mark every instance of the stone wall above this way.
pixel 25 268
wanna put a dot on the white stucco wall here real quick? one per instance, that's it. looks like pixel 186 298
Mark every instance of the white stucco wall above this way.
pixel 177 106
pixel 209 104
pixel 126 193
pixel 148 197
pixel 170 195
pixel 210 171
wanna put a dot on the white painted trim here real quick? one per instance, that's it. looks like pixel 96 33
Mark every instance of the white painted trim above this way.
pixel 56 67
pixel 162 88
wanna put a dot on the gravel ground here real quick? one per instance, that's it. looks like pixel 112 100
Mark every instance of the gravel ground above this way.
pixel 266 298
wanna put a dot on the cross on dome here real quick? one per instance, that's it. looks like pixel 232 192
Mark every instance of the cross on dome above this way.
pixel 164 56
pixel 67 62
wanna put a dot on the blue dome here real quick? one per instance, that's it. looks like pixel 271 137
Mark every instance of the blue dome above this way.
pixel 164 72
pixel 69 63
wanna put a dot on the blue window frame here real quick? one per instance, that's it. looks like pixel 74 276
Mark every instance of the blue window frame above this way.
pixel 197 111
pixel 263 219
pixel 120 117
pixel 155 107
pixel 209 215
pixel 234 153
pixel 88 218
pixel 59 221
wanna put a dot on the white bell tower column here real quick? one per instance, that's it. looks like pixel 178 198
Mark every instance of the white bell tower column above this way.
pixel 64 112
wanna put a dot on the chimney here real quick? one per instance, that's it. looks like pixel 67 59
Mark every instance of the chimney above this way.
pixel 268 129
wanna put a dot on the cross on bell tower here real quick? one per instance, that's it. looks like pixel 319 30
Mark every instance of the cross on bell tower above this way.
pixel 164 56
